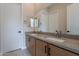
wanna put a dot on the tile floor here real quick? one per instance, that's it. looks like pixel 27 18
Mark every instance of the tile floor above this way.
pixel 18 52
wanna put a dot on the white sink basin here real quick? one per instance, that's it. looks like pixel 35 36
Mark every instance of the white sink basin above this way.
pixel 55 39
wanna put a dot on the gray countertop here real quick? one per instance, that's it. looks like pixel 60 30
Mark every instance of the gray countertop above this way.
pixel 69 44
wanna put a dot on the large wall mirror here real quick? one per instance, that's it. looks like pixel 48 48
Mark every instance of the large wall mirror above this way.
pixel 60 17
pixel 57 17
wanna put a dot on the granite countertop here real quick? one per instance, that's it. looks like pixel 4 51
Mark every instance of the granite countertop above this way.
pixel 69 44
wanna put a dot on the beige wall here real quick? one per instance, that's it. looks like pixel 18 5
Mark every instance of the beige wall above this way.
pixel 28 9
pixel 31 9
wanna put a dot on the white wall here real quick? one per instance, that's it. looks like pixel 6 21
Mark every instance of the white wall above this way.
pixel 73 19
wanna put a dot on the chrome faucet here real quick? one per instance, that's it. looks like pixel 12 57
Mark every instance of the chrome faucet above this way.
pixel 59 34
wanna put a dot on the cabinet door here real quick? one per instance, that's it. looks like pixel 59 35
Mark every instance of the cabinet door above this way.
pixel 41 48
pixel 55 51
pixel 32 45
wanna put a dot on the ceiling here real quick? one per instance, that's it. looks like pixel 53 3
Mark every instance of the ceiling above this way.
pixel 30 9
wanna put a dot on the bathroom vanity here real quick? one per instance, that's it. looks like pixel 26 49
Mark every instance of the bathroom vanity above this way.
pixel 46 45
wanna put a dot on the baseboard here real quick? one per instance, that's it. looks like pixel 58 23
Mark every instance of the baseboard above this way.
pixel 23 47
pixel 1 54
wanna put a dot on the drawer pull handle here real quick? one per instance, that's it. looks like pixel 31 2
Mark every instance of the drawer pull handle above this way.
pixel 45 49
pixel 48 51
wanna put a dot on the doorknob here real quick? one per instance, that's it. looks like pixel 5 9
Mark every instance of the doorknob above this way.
pixel 19 31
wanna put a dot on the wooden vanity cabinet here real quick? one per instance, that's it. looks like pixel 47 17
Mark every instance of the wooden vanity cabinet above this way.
pixel 32 46
pixel 41 48
pixel 56 51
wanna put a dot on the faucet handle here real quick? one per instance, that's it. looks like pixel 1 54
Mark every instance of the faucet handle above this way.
pixel 57 34
pixel 56 31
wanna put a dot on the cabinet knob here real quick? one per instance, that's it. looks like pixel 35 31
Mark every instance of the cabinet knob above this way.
pixel 45 48
pixel 48 51
pixel 68 31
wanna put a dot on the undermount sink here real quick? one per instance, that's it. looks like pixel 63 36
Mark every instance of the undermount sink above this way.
pixel 55 39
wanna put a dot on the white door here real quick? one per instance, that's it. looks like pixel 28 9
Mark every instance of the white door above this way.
pixel 11 25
